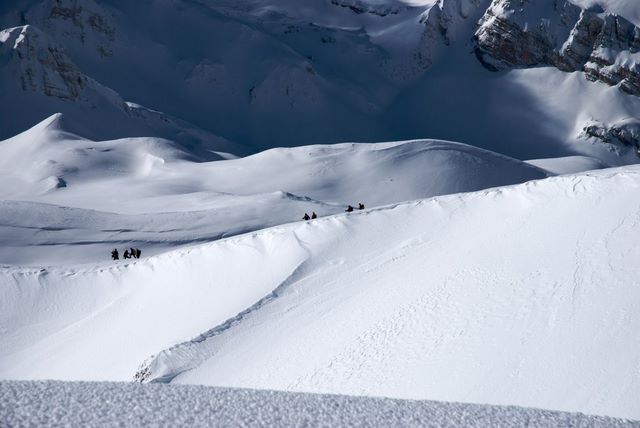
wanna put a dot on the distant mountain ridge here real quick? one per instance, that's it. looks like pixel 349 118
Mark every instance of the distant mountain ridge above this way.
pixel 243 76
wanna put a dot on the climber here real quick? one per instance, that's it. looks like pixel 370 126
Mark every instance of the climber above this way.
pixel 114 254
pixel 138 252
pixel 314 215
pixel 306 217
pixel 360 206
pixel 126 254
pixel 349 209
pixel 132 253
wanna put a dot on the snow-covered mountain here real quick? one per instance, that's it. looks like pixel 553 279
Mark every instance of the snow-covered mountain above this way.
pixel 38 78
pixel 492 263
pixel 272 73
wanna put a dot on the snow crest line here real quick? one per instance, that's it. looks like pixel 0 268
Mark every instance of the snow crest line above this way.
pixel 70 270
pixel 169 363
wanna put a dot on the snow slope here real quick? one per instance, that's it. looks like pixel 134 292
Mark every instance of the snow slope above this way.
pixel 62 191
pixel 91 404
pixel 567 165
pixel 466 297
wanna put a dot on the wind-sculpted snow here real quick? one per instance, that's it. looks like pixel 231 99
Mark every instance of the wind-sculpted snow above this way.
pixel 91 404
pixel 68 189
pixel 520 295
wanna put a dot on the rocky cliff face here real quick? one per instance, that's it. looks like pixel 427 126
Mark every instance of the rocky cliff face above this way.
pixel 84 23
pixel 524 33
pixel 41 65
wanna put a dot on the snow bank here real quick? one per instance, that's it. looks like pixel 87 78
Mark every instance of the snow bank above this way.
pixel 114 404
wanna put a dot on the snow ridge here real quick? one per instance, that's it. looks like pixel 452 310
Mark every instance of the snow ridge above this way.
pixel 165 366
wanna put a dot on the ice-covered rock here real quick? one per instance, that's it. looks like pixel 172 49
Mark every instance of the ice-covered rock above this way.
pixel 623 137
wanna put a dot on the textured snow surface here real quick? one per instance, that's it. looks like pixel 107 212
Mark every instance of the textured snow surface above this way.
pixel 61 192
pixel 117 404
pixel 524 295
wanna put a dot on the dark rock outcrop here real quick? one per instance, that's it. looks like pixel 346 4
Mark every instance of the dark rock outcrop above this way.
pixel 514 34
pixel 622 137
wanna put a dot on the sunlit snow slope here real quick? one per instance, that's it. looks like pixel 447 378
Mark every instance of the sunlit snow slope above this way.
pixel 68 199
pixel 523 295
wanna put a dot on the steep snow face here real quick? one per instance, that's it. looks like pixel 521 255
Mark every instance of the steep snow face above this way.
pixel 438 313
pixel 166 197
pixel 601 128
